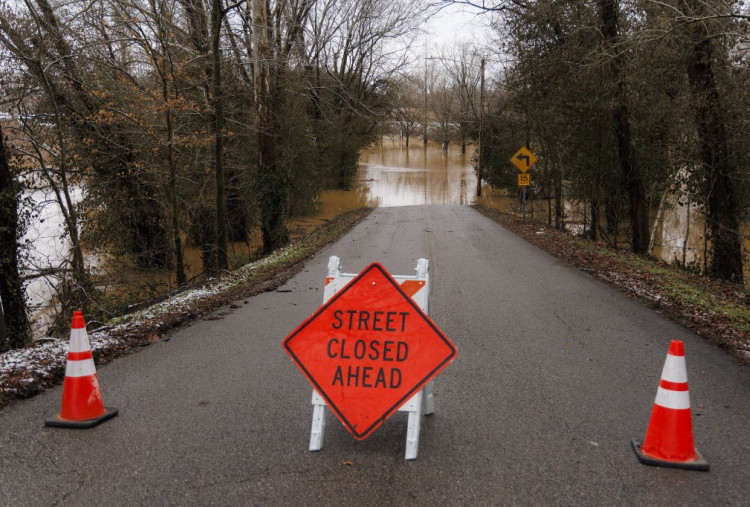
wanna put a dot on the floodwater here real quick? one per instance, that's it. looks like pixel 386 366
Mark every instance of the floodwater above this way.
pixel 388 175
pixel 392 175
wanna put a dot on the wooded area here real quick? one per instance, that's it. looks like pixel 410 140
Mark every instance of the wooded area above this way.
pixel 203 122
pixel 628 101
pixel 187 121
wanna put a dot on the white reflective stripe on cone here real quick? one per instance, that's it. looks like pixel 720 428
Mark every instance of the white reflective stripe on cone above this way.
pixel 675 369
pixel 80 368
pixel 677 400
pixel 79 341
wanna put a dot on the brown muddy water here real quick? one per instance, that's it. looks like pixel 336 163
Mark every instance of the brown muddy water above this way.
pixel 393 175
pixel 388 175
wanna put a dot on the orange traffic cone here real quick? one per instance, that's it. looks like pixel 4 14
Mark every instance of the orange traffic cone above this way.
pixel 82 405
pixel 669 438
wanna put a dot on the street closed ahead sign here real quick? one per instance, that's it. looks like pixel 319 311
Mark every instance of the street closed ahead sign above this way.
pixel 368 350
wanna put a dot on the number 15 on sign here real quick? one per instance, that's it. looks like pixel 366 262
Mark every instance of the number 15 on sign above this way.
pixel 524 179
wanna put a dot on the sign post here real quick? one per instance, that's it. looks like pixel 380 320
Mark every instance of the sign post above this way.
pixel 371 350
pixel 523 160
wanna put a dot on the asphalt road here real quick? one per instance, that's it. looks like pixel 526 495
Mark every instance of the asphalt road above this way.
pixel 555 374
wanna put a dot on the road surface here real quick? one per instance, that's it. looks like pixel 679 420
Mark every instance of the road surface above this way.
pixel 555 374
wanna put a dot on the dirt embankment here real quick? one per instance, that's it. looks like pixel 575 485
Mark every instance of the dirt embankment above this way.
pixel 28 371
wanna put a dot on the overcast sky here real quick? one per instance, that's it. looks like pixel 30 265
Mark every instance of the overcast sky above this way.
pixel 456 24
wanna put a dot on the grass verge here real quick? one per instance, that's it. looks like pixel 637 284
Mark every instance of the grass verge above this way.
pixel 717 311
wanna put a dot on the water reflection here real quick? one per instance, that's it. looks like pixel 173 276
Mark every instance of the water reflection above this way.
pixel 678 233
pixel 388 175
pixel 393 175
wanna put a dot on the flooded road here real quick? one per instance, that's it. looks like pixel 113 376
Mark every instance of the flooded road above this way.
pixel 398 176
pixel 392 175
pixel 388 175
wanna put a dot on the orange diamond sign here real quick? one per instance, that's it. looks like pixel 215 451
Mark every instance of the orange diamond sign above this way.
pixel 368 350
pixel 523 159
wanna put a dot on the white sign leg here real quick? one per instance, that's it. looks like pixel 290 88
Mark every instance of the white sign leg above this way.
pixel 318 427
pixel 429 401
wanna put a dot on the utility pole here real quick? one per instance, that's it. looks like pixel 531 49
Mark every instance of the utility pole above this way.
pixel 424 115
pixel 481 128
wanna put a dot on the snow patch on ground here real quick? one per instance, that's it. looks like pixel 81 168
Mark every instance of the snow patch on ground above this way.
pixel 46 359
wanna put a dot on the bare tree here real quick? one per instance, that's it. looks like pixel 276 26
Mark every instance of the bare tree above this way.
pixel 14 325
pixel 721 177
pixel 274 198
pixel 150 27
pixel 629 165
pixel 359 45
pixel 49 142
pixel 464 67
pixel 409 106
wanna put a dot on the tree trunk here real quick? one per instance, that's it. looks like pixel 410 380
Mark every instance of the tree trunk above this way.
pixel 205 222
pixel 221 224
pixel 559 206
pixel 549 205
pixel 594 230
pixel 167 73
pixel 687 233
pixel 181 278
pixel 621 119
pixel 74 289
pixel 15 330
pixel 274 187
pixel 722 208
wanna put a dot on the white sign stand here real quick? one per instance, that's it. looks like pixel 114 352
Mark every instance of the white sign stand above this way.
pixel 420 403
